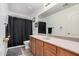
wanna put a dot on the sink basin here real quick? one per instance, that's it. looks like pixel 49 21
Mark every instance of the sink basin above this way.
pixel 46 37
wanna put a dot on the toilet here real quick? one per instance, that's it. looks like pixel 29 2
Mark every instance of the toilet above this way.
pixel 26 44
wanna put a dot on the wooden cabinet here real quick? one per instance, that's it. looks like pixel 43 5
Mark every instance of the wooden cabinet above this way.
pixel 39 48
pixel 63 52
pixel 49 50
pixel 32 45
pixel 36 47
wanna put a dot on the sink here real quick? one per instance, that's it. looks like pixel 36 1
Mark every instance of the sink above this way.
pixel 46 37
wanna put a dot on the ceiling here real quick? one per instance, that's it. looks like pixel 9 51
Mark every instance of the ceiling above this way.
pixel 29 8
pixel 24 8
pixel 58 7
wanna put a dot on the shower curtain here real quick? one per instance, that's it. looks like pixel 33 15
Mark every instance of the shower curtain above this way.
pixel 19 30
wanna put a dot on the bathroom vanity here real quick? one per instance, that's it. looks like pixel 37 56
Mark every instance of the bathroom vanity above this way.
pixel 53 46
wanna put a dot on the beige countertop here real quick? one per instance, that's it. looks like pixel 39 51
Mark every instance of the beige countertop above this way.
pixel 64 42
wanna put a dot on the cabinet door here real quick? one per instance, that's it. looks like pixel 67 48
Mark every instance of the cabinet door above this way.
pixel 32 45
pixel 39 48
pixel 49 50
pixel 62 52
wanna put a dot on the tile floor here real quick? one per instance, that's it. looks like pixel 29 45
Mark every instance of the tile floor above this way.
pixel 26 52
pixel 19 51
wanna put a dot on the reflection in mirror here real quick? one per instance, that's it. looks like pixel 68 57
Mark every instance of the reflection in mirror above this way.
pixel 63 22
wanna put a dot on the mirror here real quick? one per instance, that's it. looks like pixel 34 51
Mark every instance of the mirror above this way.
pixel 64 22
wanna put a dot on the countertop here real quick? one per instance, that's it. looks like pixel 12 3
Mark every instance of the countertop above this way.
pixel 71 44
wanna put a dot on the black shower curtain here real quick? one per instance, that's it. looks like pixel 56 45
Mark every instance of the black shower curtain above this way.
pixel 19 30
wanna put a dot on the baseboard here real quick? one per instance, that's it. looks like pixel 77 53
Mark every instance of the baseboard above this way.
pixel 16 46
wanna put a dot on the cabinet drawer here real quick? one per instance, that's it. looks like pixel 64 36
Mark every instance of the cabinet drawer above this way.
pixel 40 43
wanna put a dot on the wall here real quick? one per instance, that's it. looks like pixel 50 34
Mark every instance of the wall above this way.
pixel 68 19
pixel 3 20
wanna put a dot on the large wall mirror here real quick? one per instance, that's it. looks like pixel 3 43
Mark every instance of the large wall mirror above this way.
pixel 64 22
